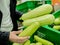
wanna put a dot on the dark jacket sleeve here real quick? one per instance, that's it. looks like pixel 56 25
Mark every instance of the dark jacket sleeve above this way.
pixel 4 37
pixel 18 15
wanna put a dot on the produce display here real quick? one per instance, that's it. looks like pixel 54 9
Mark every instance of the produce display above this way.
pixel 32 20
pixel 30 30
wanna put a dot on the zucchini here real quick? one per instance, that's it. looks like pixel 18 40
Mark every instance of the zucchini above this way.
pixel 29 31
pixel 43 41
pixel 27 42
pixel 39 11
pixel 43 20
pixel 57 27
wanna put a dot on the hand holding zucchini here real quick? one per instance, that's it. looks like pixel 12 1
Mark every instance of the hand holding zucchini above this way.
pixel 29 31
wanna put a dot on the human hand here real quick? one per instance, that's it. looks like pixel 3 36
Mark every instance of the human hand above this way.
pixel 16 39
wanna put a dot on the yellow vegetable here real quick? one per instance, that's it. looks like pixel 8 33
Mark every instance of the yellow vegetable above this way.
pixel 27 42
pixel 43 41
pixel 57 27
pixel 39 11
pixel 43 20
pixel 57 21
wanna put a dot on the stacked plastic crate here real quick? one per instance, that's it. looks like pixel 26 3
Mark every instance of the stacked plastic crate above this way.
pixel 29 5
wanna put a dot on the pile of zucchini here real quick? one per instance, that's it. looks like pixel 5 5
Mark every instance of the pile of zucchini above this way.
pixel 39 16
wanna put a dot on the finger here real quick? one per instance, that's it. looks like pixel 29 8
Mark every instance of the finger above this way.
pixel 22 41
pixel 24 38
pixel 19 41
pixel 18 32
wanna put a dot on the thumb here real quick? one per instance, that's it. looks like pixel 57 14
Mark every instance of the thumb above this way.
pixel 18 32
